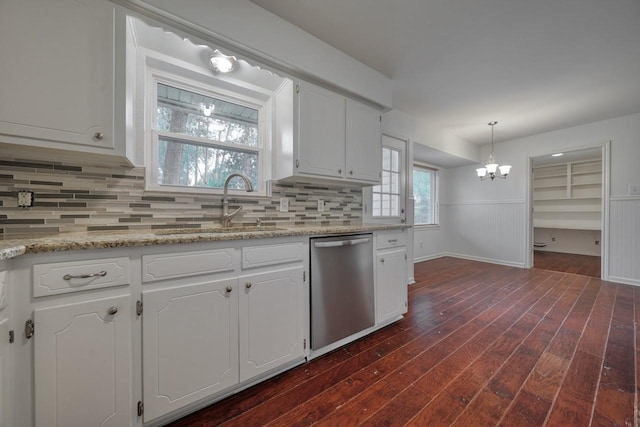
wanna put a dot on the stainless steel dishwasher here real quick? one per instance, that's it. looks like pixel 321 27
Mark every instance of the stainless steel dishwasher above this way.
pixel 341 280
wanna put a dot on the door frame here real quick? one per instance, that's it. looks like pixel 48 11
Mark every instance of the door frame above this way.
pixel 605 148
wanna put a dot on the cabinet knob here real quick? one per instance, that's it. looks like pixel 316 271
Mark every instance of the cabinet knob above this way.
pixel 350 172
pixel 382 260
pixel 248 285
pixel 112 310
pixel 339 170
pixel 229 289
pixel 98 136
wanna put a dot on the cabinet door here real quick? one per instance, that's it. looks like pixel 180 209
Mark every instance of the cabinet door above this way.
pixel 321 132
pixel 5 371
pixel 189 344
pixel 83 364
pixel 271 320
pixel 391 286
pixel 363 143
pixel 57 72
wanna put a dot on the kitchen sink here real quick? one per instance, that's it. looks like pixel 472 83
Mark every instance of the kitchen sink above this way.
pixel 246 229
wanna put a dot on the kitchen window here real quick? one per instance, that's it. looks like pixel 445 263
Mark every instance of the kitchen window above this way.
pixel 201 136
pixel 425 195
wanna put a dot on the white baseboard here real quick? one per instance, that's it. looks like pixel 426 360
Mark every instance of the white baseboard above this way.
pixel 429 257
pixel 624 280
pixel 489 260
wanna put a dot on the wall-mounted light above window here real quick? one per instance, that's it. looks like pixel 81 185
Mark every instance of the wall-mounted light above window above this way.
pixel 222 63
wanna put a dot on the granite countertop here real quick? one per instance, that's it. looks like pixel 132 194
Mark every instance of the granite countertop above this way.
pixel 103 240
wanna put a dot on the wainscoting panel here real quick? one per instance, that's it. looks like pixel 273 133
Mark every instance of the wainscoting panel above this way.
pixel 492 231
pixel 624 240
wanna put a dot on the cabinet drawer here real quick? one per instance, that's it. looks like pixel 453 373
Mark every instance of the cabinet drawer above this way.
pixel 260 256
pixel 74 276
pixel 181 264
pixel 391 240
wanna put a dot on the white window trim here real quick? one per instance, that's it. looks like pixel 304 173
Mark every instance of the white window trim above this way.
pixel 149 133
pixel 436 191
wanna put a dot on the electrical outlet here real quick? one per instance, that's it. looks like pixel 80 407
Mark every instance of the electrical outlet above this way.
pixel 320 205
pixel 25 199
pixel 284 204
pixel 634 190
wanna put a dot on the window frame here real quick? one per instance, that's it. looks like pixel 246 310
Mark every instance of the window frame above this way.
pixel 154 76
pixel 435 205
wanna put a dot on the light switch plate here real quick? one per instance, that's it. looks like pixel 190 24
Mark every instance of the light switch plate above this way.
pixel 284 204
pixel 25 199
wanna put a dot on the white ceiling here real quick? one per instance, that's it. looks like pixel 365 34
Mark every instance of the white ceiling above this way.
pixel 532 65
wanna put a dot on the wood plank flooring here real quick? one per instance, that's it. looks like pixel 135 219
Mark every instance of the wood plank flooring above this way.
pixel 586 265
pixel 482 345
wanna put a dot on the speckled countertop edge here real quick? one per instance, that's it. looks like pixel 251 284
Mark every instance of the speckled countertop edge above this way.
pixel 99 240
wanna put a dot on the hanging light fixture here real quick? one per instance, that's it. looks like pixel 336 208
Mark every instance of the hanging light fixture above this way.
pixel 492 169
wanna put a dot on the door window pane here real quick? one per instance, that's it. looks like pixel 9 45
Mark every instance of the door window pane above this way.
pixel 386 195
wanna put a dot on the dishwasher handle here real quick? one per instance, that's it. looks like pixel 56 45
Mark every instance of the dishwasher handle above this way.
pixel 337 243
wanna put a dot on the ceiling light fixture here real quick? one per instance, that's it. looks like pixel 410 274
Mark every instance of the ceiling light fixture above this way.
pixel 222 63
pixel 492 168
pixel 557 154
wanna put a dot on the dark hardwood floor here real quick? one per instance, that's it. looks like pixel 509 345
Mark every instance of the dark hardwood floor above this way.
pixel 482 345
pixel 586 265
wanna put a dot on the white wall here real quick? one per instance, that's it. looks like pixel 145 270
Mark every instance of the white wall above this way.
pixel 481 214
pixel 262 33
pixel 421 132
pixel 569 241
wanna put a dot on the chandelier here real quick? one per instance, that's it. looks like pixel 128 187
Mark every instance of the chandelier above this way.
pixel 492 169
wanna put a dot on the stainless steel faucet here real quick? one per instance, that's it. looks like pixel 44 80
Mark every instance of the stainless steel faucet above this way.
pixel 226 216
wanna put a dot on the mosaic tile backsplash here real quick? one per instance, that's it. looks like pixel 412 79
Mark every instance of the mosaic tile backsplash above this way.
pixel 72 197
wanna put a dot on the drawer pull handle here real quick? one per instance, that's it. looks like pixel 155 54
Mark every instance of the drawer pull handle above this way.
pixel 112 310
pixel 393 240
pixel 84 276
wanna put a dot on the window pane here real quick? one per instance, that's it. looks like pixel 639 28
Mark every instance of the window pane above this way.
pixel 386 159
pixel 423 185
pixel 193 165
pixel 395 161
pixel 395 202
pixel 183 112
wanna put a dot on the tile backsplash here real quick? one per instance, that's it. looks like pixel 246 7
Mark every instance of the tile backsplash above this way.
pixel 72 197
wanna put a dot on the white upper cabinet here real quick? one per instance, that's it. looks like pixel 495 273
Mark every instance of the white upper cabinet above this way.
pixel 322 135
pixel 59 75
pixel 363 143
pixel 321 132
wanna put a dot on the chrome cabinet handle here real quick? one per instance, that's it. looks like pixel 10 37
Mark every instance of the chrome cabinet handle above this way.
pixel 248 285
pixel 99 136
pixel 229 289
pixel 84 276
pixel 112 310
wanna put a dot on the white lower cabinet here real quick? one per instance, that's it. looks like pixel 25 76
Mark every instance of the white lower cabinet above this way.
pixel 391 280
pixel 83 364
pixel 5 372
pixel 190 344
pixel 271 320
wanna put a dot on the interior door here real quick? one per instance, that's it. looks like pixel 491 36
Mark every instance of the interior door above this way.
pixel 386 202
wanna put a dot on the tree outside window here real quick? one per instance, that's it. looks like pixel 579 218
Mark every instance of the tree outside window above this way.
pixel 424 193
